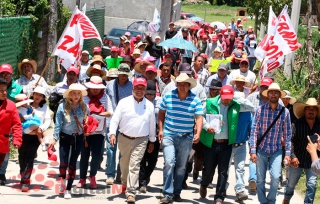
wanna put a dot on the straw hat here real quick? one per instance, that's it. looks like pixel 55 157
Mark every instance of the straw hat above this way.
pixel 137 67
pixel 298 108
pixel 240 78
pixel 95 83
pixel 97 58
pixel 292 99
pixel 26 61
pixel 98 67
pixel 217 49
pixel 183 77
pixel 141 43
pixel 111 73
pixel 274 87
pixel 22 99
pixel 75 87
pixel 136 52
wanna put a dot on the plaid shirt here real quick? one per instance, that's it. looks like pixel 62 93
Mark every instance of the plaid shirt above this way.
pixel 263 118
pixel 203 75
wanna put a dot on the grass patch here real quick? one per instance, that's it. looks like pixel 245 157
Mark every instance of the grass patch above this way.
pixel 212 13
pixel 301 188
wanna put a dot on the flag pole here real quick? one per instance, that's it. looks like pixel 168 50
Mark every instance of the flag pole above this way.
pixel 44 69
pixel 257 74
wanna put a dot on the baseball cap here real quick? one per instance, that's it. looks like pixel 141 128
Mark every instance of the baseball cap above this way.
pixel 205 37
pixel 226 92
pixel 239 45
pixel 157 37
pixel 73 69
pixel 204 55
pixel 238 54
pixel 85 52
pixel 171 23
pixel 232 34
pixel 266 81
pixel 127 33
pixel 114 49
pixel 138 37
pixel 151 87
pixel 214 37
pixel 97 49
pixel 220 34
pixel 249 30
pixel 185 68
pixel 225 33
pixel 215 84
pixel 151 68
pixel 244 60
pixel 139 81
pixel 167 55
pixel 223 66
pixel 6 68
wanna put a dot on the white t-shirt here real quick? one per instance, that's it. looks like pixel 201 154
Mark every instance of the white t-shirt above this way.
pixel 249 75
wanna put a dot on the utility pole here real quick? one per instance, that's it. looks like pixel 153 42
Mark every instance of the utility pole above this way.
pixel 295 14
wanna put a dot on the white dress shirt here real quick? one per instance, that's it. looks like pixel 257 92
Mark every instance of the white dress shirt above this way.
pixel 135 119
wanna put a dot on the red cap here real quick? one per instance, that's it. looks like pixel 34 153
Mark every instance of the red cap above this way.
pixel 96 49
pixel 266 81
pixel 249 30
pixel 232 34
pixel 240 45
pixel 214 37
pixel 138 37
pixel 139 81
pixel 205 37
pixel 114 49
pixel 138 60
pixel 6 68
pixel 225 33
pixel 167 55
pixel 151 68
pixel 204 55
pixel 73 69
pixel 220 34
pixel 171 23
pixel 226 92
pixel 244 60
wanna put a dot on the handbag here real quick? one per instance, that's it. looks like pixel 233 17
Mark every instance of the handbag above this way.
pixel 269 128
pixel 79 126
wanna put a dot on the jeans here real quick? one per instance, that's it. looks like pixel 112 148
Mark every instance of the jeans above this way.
pixel 94 146
pixel 4 165
pixel 252 62
pixel 311 183
pixel 175 152
pixel 148 163
pixel 273 161
pixel 68 159
pixel 252 171
pixel 218 155
pixel 111 157
pixel 27 151
pixel 238 155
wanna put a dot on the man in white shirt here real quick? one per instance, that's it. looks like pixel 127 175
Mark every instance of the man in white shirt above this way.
pixel 244 71
pixel 133 138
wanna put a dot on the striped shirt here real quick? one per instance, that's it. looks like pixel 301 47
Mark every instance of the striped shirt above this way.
pixel 180 115
pixel 263 118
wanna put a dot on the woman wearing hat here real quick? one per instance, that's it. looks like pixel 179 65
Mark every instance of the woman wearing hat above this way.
pixel 100 108
pixel 125 50
pixel 217 54
pixel 69 132
pixel 29 78
pixel 30 141
pixel 96 70
pixel 142 47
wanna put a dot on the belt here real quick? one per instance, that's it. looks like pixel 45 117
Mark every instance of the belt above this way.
pixel 238 144
pixel 129 137
pixel 221 140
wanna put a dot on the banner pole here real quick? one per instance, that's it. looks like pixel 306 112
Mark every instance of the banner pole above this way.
pixel 44 69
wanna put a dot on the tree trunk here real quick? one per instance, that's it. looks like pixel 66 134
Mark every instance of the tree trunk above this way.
pixel 318 13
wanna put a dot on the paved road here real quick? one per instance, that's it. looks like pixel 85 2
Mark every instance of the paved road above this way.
pixel 44 187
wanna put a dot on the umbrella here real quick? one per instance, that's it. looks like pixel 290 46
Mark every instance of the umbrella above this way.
pixel 219 25
pixel 195 19
pixel 184 23
pixel 179 43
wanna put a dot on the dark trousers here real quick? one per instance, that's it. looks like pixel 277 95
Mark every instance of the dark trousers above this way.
pixel 198 156
pixel 28 149
pixel 67 142
pixel 2 157
pixel 94 146
pixel 218 155
pixel 148 163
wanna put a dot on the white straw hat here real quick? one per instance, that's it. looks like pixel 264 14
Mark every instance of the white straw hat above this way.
pixel 95 83
pixel 274 87
pixel 183 77
pixel 22 99
pixel 75 87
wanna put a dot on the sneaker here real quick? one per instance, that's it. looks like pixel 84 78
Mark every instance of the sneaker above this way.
pixel 123 188
pixel 253 186
pixel 203 192
pixel 93 183
pixel 81 183
pixel 67 195
pixel 110 181
pixel 118 177
pixel 3 179
pixel 177 198
pixel 131 199
pixel 210 186
pixel 285 201
pixel 63 185
pixel 166 200
pixel 25 188
pixel 143 189
pixel 195 174
pixel 242 196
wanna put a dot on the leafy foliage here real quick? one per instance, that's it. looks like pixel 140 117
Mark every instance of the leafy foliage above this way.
pixel 63 16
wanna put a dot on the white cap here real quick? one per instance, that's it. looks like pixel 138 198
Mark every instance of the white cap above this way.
pixel 157 37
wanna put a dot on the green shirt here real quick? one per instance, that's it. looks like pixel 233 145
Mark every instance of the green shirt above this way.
pixel 13 90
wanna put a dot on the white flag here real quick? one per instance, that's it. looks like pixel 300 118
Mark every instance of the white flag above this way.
pixel 68 48
pixel 155 25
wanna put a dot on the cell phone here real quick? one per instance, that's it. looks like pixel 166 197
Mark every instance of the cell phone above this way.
pixel 314 138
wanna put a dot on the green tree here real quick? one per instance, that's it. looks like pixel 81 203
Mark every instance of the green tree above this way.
pixel 260 9
pixel 7 8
